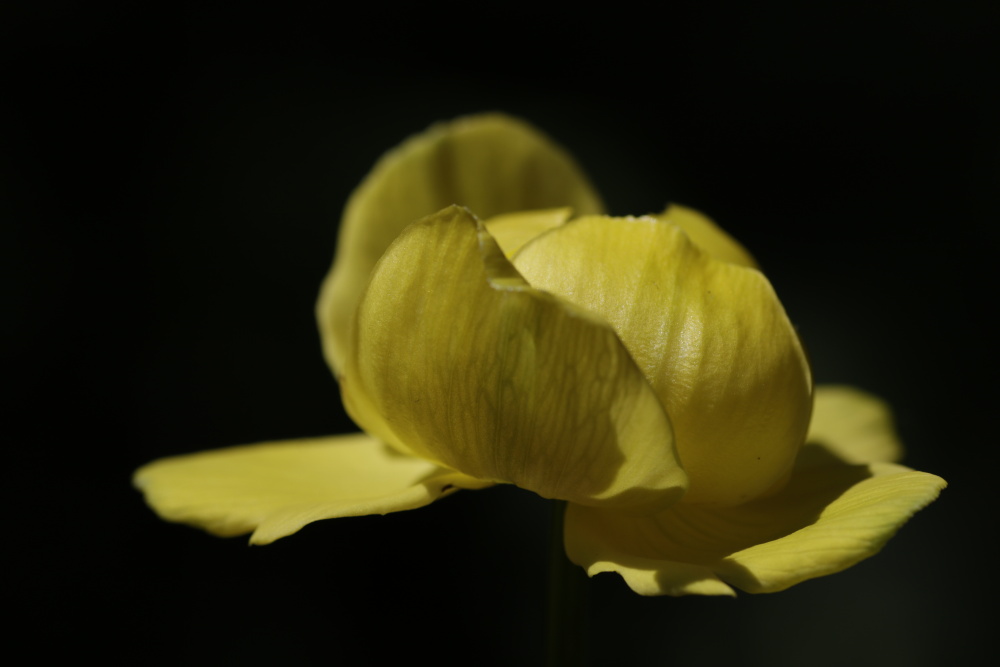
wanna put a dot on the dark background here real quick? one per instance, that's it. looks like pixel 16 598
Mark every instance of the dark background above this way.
pixel 171 186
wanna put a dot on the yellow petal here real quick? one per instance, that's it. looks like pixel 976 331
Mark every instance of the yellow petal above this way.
pixel 711 337
pixel 828 518
pixel 513 230
pixel 869 504
pixel 596 541
pixel 707 235
pixel 853 425
pixel 491 163
pixel 276 488
pixel 462 363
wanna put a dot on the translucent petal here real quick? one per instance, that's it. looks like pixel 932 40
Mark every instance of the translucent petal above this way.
pixel 710 336
pixel 707 235
pixel 856 426
pixel 276 488
pixel 464 364
pixel 491 163
pixel 513 230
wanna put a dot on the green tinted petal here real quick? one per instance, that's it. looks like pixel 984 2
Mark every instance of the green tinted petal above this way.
pixel 711 337
pixel 827 519
pixel 853 425
pixel 707 235
pixel 491 163
pixel 466 365
pixel 274 489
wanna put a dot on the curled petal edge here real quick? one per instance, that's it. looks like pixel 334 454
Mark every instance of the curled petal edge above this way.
pixel 763 547
pixel 833 514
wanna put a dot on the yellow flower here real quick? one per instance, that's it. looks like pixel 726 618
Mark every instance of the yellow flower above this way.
pixel 641 369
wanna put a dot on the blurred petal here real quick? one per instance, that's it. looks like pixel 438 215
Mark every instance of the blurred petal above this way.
pixel 462 363
pixel 707 235
pixel 853 425
pixel 491 163
pixel 276 488
pixel 513 230
pixel 711 337
pixel 827 519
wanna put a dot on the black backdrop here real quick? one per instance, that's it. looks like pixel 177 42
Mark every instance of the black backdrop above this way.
pixel 171 189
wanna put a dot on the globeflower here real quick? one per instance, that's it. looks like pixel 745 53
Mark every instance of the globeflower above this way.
pixel 489 324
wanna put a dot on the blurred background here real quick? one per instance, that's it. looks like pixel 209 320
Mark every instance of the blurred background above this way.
pixel 171 187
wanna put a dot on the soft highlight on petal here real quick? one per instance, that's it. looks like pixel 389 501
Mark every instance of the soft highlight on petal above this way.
pixel 459 361
pixel 492 163
pixel 274 489
pixel 710 336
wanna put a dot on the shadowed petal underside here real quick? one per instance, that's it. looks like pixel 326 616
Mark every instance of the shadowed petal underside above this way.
pixel 830 516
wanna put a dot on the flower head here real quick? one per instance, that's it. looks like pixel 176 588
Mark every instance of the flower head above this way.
pixel 489 325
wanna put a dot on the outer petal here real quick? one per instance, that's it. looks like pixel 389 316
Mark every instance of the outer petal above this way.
pixel 707 235
pixel 458 360
pixel 491 163
pixel 276 488
pixel 829 517
pixel 711 337
pixel 826 520
pixel 871 503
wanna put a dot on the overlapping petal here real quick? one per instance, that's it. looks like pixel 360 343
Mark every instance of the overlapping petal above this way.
pixel 491 163
pixel 274 489
pixel 617 350
pixel 512 231
pixel 710 336
pixel 707 235
pixel 830 516
pixel 458 360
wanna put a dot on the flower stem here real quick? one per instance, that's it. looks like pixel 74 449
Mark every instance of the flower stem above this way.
pixel 567 612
